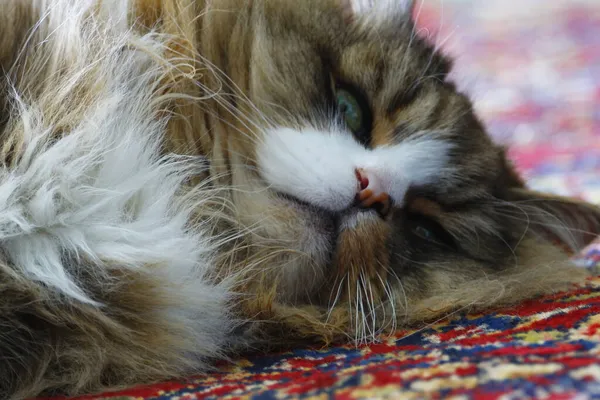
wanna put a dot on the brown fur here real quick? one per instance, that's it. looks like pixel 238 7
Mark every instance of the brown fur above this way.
pixel 85 348
pixel 241 74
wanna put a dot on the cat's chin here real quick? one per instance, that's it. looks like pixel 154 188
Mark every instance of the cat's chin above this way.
pixel 332 223
pixel 353 218
pixel 329 242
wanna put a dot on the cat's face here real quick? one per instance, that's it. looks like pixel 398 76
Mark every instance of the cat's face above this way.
pixel 360 176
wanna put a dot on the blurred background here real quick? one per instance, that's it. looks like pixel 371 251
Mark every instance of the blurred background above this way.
pixel 533 70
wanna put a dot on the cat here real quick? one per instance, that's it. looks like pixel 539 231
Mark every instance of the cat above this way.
pixel 185 180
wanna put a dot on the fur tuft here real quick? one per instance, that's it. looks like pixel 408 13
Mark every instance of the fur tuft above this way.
pixel 376 12
pixel 94 225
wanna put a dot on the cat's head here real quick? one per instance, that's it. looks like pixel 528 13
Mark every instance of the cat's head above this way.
pixel 361 180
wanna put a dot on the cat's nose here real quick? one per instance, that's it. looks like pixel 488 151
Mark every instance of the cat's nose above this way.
pixel 371 193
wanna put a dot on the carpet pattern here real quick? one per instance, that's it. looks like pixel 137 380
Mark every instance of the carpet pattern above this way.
pixel 534 70
pixel 549 348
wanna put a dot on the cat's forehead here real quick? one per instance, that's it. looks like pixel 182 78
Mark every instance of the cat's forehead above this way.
pixel 377 53
pixel 390 71
pixel 338 21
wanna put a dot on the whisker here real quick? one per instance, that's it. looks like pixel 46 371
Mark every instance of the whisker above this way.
pixel 337 297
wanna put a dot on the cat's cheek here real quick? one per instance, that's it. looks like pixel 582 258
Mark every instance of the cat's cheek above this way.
pixel 301 243
pixel 314 166
pixel 300 239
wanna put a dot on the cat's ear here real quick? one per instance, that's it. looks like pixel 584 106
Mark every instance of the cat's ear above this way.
pixel 571 223
pixel 568 222
pixel 378 11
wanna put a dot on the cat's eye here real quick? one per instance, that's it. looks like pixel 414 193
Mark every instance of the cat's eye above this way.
pixel 354 112
pixel 349 109
pixel 424 233
pixel 429 231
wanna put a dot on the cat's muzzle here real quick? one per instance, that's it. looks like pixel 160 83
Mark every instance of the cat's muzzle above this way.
pixel 371 194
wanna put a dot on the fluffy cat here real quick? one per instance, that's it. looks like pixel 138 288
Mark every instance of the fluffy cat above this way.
pixel 186 179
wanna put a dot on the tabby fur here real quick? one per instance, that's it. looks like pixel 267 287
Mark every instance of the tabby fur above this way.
pixel 175 188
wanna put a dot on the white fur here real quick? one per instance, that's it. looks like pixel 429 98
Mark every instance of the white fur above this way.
pixel 319 166
pixel 352 220
pixel 102 197
pixel 379 11
pixel 314 166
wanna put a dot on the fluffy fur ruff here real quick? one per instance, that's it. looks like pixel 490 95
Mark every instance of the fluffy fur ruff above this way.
pixel 102 280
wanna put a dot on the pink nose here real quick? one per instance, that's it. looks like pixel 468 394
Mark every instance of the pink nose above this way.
pixel 371 193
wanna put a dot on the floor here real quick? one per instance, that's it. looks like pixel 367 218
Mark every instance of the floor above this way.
pixel 533 68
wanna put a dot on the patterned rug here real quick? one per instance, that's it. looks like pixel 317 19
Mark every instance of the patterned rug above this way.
pixel 548 349
pixel 533 67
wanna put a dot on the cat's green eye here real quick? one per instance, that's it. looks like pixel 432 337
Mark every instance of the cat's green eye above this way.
pixel 354 111
pixel 350 110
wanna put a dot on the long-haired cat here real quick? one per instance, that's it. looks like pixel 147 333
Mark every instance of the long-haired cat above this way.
pixel 186 179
